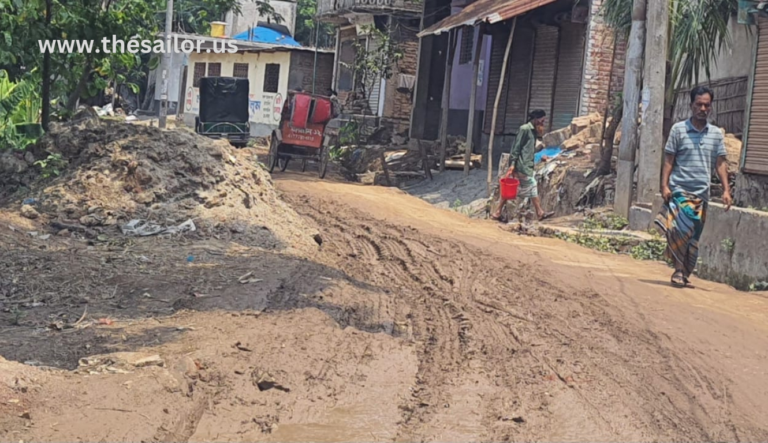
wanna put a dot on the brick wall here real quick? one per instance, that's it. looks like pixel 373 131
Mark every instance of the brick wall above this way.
pixel 597 64
pixel 302 70
pixel 397 104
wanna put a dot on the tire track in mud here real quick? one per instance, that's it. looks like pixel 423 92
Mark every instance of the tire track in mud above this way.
pixel 568 364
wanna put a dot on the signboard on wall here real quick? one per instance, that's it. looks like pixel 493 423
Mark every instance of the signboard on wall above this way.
pixel 192 100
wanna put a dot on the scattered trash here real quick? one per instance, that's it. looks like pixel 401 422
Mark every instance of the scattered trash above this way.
pixel 551 153
pixel 242 347
pixel 29 201
pixel 267 424
pixel 190 258
pixel 29 212
pixel 265 381
pixel 56 326
pixel 152 360
pixel 106 321
pixel 318 239
pixel 248 278
pixel 144 228
pixel 119 362
pixel 45 237
pixel 26 415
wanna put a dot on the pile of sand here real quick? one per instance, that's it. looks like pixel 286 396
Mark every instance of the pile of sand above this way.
pixel 119 172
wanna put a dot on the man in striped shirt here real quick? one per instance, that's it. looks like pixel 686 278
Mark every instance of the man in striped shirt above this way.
pixel 694 151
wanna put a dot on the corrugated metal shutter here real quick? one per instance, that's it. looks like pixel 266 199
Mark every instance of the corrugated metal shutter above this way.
pixel 373 97
pixel 519 79
pixel 756 156
pixel 569 74
pixel 498 46
pixel 544 68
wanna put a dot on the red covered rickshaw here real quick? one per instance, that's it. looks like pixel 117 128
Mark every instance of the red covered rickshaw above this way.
pixel 302 133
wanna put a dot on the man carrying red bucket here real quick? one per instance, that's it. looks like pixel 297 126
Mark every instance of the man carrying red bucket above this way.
pixel 520 175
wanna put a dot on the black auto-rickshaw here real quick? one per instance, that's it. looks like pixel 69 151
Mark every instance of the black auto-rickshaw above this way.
pixel 224 109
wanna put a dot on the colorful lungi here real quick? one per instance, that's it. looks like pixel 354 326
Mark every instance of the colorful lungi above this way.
pixel 682 221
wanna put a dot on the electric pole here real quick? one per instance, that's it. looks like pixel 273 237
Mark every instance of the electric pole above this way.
pixel 633 81
pixel 165 67
pixel 654 93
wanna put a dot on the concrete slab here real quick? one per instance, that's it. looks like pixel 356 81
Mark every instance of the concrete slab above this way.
pixel 640 219
pixel 734 246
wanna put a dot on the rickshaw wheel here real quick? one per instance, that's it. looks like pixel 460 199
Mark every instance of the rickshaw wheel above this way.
pixel 283 163
pixel 274 147
pixel 325 157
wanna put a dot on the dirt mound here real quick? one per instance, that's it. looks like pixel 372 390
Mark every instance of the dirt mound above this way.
pixel 117 173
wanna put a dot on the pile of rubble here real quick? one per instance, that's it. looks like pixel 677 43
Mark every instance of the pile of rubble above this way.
pixel 386 165
pixel 393 159
pixel 124 179
pixel 583 136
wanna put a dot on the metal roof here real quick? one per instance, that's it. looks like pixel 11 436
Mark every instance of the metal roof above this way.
pixel 264 34
pixel 488 11
pixel 249 46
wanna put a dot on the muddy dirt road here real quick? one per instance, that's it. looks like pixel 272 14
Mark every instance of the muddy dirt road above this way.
pixel 409 323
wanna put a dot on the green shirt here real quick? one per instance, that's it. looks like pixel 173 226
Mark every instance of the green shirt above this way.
pixel 522 153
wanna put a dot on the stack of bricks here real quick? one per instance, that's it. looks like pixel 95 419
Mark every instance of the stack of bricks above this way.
pixel 303 67
pixel 597 65
pixel 398 104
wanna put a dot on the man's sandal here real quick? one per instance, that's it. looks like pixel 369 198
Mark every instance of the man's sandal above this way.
pixel 678 280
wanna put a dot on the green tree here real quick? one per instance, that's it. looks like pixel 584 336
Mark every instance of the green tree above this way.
pixel 374 61
pixel 698 30
pixel 195 16
pixel 66 78
pixel 306 22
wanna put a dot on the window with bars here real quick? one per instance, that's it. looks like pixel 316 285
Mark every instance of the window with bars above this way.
pixel 198 74
pixel 240 70
pixel 272 77
pixel 214 69
pixel 467 45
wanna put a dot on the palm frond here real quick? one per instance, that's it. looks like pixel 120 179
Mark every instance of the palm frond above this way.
pixel 698 32
pixel 618 14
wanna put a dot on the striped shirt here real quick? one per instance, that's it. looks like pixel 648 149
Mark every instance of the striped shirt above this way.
pixel 696 154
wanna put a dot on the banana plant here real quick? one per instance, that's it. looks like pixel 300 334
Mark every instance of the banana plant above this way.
pixel 19 104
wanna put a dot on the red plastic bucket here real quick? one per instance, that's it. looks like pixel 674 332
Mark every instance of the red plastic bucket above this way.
pixel 509 187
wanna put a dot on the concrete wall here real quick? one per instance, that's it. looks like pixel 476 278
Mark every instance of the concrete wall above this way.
pixel 462 75
pixel 736 61
pixel 265 108
pixel 734 247
pixel 178 61
pixel 249 16
pixel 751 191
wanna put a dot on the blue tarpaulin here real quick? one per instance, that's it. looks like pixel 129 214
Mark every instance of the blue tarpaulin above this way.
pixel 262 34
pixel 551 152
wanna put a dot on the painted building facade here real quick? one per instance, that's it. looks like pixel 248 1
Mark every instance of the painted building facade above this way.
pixel 388 99
pixel 271 70
pixel 563 60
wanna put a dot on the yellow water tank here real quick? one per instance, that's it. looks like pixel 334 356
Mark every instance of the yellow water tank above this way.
pixel 218 29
